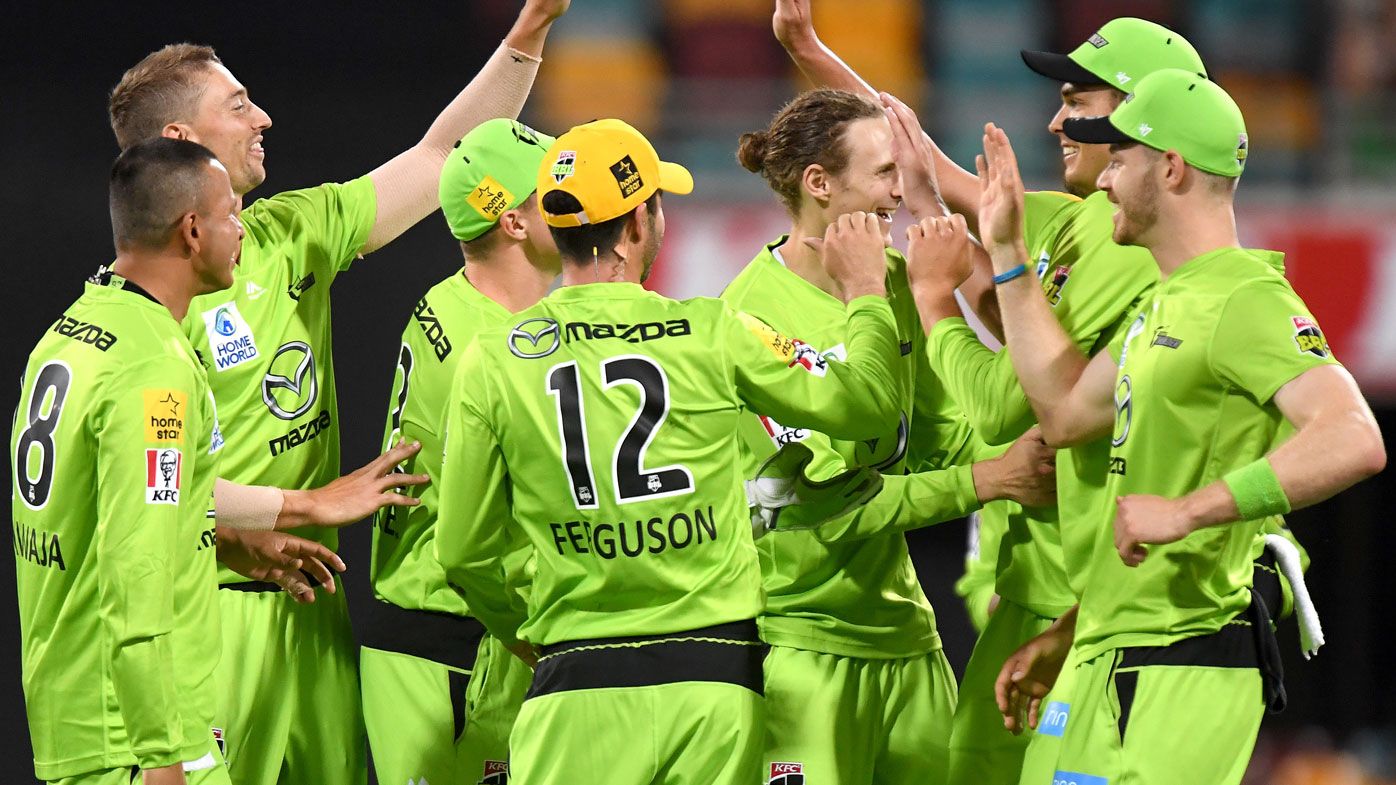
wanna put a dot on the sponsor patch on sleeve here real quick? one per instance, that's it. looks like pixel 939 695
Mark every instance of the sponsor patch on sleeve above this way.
pixel 164 414
pixel 790 350
pixel 1309 338
pixel 162 475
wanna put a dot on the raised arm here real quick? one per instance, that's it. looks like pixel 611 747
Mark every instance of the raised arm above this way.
pixel 1071 394
pixel 406 186
pixel 794 28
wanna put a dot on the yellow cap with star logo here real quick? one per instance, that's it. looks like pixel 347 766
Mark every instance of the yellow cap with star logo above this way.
pixel 609 168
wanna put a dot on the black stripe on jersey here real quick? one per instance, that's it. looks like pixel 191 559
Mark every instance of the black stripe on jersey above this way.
pixel 726 653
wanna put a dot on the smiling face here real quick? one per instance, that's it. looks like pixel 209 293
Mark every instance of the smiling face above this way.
pixel 229 124
pixel 1083 163
pixel 870 182
pixel 1132 180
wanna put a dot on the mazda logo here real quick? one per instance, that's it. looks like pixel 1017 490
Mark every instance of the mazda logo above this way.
pixel 290 388
pixel 534 338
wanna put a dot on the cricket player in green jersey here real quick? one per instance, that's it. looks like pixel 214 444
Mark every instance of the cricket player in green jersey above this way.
pixel 115 449
pixel 857 686
pixel 600 426
pixel 1224 405
pixel 266 344
pixel 440 694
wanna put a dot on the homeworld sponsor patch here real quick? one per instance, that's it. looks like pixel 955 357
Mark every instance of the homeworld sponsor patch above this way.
pixel 162 475
pixel 787 774
pixel 229 337
pixel 1309 338
pixel 496 773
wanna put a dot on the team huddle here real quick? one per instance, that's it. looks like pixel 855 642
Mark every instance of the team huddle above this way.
pixel 625 538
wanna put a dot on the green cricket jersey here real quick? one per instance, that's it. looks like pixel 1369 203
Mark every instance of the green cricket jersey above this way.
pixel 405 570
pixel 113 449
pixel 266 341
pixel 600 426
pixel 1199 368
pixel 1094 287
pixel 825 592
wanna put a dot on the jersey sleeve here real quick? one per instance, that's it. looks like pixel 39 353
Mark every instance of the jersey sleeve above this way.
pixel 981 381
pixel 976 586
pixel 142 442
pixel 1265 338
pixel 789 380
pixel 330 222
pixel 475 529
pixel 906 502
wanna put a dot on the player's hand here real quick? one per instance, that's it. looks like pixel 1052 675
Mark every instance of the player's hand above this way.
pixel 1147 520
pixel 1001 199
pixel 1026 473
pixel 1029 674
pixel 291 562
pixel 172 774
pixel 793 23
pixel 854 255
pixel 356 495
pixel 526 652
pixel 938 253
pixel 914 155
pixel 549 9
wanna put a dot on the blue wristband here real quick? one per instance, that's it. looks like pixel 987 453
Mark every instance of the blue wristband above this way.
pixel 1008 275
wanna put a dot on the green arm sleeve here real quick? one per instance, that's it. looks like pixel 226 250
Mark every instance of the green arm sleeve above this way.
pixel 789 381
pixel 475 524
pixel 136 548
pixel 981 381
pixel 976 586
pixel 908 501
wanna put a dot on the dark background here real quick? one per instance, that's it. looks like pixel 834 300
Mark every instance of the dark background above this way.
pixel 348 85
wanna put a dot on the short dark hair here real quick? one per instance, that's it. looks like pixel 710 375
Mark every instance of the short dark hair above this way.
pixel 575 243
pixel 153 183
pixel 164 87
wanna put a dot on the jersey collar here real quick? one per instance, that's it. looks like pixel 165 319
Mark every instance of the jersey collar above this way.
pixel 106 277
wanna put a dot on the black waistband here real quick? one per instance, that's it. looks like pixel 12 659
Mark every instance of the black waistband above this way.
pixel 728 653
pixel 432 635
pixel 254 586
pixel 1247 642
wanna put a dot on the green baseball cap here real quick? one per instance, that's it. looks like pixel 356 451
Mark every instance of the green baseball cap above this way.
pixel 1119 54
pixel 492 169
pixel 1174 110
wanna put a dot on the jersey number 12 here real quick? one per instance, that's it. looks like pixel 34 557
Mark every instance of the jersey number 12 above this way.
pixel 633 482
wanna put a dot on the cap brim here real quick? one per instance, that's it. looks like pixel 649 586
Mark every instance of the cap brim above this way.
pixel 1059 67
pixel 1094 130
pixel 674 179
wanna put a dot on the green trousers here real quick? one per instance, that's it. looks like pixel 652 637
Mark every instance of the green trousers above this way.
pixel 852 721
pixel 429 722
pixel 288 690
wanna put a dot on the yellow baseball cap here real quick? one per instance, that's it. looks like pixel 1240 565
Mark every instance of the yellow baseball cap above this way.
pixel 610 168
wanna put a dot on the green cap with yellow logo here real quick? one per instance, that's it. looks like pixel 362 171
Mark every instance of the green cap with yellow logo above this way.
pixel 492 169
pixel 1174 110
pixel 1119 54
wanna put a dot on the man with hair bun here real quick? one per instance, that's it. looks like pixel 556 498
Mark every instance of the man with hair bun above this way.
pixel 857 686
pixel 599 427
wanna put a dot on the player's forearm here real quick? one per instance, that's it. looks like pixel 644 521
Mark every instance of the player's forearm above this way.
pixel 873 353
pixel 980 381
pixel 143 676
pixel 907 502
pixel 406 186
pixel 484 585
pixel 248 507
pixel 1045 359
pixel 824 68
pixel 1326 456
pixel 979 292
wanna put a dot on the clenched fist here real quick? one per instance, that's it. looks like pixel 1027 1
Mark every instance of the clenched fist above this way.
pixel 938 253
pixel 854 255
